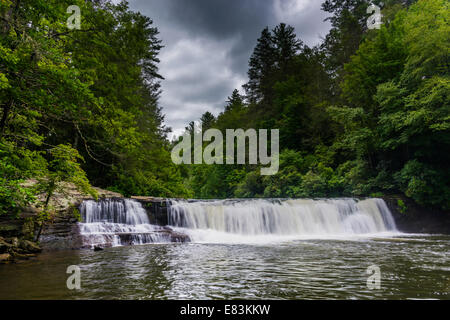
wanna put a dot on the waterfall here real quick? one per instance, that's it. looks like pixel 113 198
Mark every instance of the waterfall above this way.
pixel 117 222
pixel 226 220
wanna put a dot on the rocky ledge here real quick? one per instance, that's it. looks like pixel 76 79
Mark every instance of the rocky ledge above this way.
pixel 59 233
pixel 173 236
pixel 164 234
pixel 14 249
pixel 62 232
pixel 411 217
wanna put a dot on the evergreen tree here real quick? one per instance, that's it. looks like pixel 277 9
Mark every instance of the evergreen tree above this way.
pixel 234 101
pixel 261 65
pixel 207 120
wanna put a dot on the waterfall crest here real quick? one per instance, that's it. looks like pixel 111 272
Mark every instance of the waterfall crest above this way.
pixel 328 217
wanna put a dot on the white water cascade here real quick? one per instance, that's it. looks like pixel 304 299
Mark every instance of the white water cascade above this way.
pixel 244 220
pixel 116 222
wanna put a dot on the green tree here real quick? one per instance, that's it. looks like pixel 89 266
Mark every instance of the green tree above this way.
pixel 63 168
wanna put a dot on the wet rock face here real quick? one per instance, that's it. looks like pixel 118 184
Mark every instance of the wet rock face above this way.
pixel 176 236
pixel 14 249
pixel 62 234
pixel 411 217
pixel 156 209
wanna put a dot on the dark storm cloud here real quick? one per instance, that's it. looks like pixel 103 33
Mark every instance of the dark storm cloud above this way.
pixel 220 18
pixel 208 44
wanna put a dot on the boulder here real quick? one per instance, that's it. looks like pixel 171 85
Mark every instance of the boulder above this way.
pixel 180 237
pixel 5 258
pixel 23 256
pixel 12 249
pixel 14 242
pixel 29 246
pixel 5 246
pixel 175 236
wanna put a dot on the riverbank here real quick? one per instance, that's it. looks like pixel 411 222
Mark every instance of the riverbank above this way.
pixel 14 249
pixel 60 232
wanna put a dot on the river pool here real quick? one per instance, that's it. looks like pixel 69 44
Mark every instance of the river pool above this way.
pixel 411 267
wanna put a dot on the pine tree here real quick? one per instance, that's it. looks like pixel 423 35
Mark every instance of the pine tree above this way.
pixel 207 120
pixel 234 101
pixel 269 62
pixel 286 43
pixel 261 65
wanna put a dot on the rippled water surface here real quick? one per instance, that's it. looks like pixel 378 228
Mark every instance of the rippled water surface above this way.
pixel 414 267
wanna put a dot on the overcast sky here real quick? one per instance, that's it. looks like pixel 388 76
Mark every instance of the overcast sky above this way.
pixel 208 44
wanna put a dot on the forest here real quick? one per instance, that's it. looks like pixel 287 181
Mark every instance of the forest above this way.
pixel 364 114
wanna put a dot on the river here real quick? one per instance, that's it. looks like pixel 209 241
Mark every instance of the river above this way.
pixel 241 249
pixel 412 267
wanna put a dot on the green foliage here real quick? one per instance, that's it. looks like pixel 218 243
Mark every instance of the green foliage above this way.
pixel 76 214
pixel 13 196
pixel 424 184
pixel 80 104
pixel 250 187
pixel 366 113
pixel 15 165
pixel 63 167
pixel 402 206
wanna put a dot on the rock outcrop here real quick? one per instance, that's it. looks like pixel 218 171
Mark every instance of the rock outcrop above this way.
pixel 15 249
pixel 411 217
pixel 61 231
pixel 156 209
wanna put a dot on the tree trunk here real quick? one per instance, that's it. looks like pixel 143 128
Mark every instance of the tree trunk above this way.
pixel 6 110
pixel 47 200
